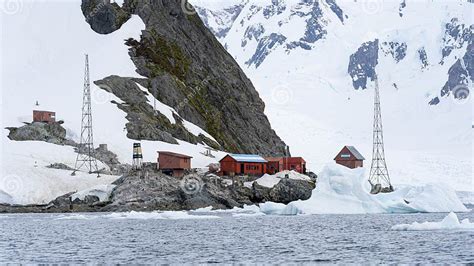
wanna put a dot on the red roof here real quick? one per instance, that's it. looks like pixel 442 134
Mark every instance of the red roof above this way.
pixel 175 154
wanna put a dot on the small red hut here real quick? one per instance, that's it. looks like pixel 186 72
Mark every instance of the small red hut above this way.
pixel 274 165
pixel 44 116
pixel 243 164
pixel 350 157
pixel 173 164
pixel 297 164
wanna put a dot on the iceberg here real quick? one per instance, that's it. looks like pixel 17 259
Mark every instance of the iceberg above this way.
pixel 340 190
pixel 450 222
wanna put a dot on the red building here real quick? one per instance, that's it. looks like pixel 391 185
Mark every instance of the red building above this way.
pixel 243 164
pixel 297 164
pixel 274 165
pixel 350 157
pixel 44 116
pixel 173 164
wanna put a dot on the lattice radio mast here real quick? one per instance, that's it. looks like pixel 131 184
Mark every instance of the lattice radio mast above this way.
pixel 379 177
pixel 86 153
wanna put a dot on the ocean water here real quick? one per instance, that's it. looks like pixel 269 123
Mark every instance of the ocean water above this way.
pixel 105 238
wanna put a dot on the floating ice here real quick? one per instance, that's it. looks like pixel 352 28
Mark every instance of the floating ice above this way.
pixel 450 222
pixel 166 215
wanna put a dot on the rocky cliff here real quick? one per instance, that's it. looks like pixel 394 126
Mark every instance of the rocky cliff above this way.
pixel 186 68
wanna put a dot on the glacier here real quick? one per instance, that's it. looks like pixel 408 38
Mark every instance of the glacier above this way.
pixel 340 190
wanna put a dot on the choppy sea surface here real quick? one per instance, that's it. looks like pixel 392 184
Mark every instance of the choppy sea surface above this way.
pixel 229 238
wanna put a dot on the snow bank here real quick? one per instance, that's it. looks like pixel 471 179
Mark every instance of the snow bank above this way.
pixel 167 215
pixel 101 191
pixel 5 197
pixel 346 191
pixel 271 180
pixel 450 222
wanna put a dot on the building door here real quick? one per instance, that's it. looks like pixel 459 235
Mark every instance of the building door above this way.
pixel 242 168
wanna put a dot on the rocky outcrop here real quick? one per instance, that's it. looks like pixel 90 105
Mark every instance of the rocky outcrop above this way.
pixel 187 69
pixel 149 190
pixel 38 131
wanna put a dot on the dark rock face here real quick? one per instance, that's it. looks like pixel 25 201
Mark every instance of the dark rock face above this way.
pixel 187 69
pixel 103 16
pixel 37 131
pixel 265 46
pixel 336 9
pixel 402 6
pixel 456 35
pixel 362 64
pixel 276 8
pixel 423 57
pixel 286 191
pixel 397 50
pixel 314 28
pixel 253 32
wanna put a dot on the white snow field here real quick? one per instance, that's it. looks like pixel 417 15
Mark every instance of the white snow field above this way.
pixel 450 222
pixel 340 190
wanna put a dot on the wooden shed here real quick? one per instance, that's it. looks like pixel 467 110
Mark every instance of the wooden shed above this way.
pixel 44 116
pixel 274 165
pixel 243 164
pixel 350 157
pixel 173 164
pixel 297 164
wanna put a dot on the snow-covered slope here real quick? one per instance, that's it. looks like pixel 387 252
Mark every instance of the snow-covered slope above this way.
pixel 313 64
pixel 43 46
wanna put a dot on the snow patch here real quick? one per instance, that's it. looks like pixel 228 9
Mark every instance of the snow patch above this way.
pixel 101 191
pixel 271 180
pixel 450 222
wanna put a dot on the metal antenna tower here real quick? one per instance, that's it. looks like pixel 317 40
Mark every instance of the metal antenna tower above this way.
pixel 379 177
pixel 85 156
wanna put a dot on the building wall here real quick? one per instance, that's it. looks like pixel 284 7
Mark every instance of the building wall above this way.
pixel 166 161
pixel 230 165
pixel 351 164
pixel 43 116
pixel 294 163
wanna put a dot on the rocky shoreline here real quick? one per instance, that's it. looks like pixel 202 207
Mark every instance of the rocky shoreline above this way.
pixel 150 190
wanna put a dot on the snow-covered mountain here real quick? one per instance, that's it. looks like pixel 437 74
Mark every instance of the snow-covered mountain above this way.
pixel 314 62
